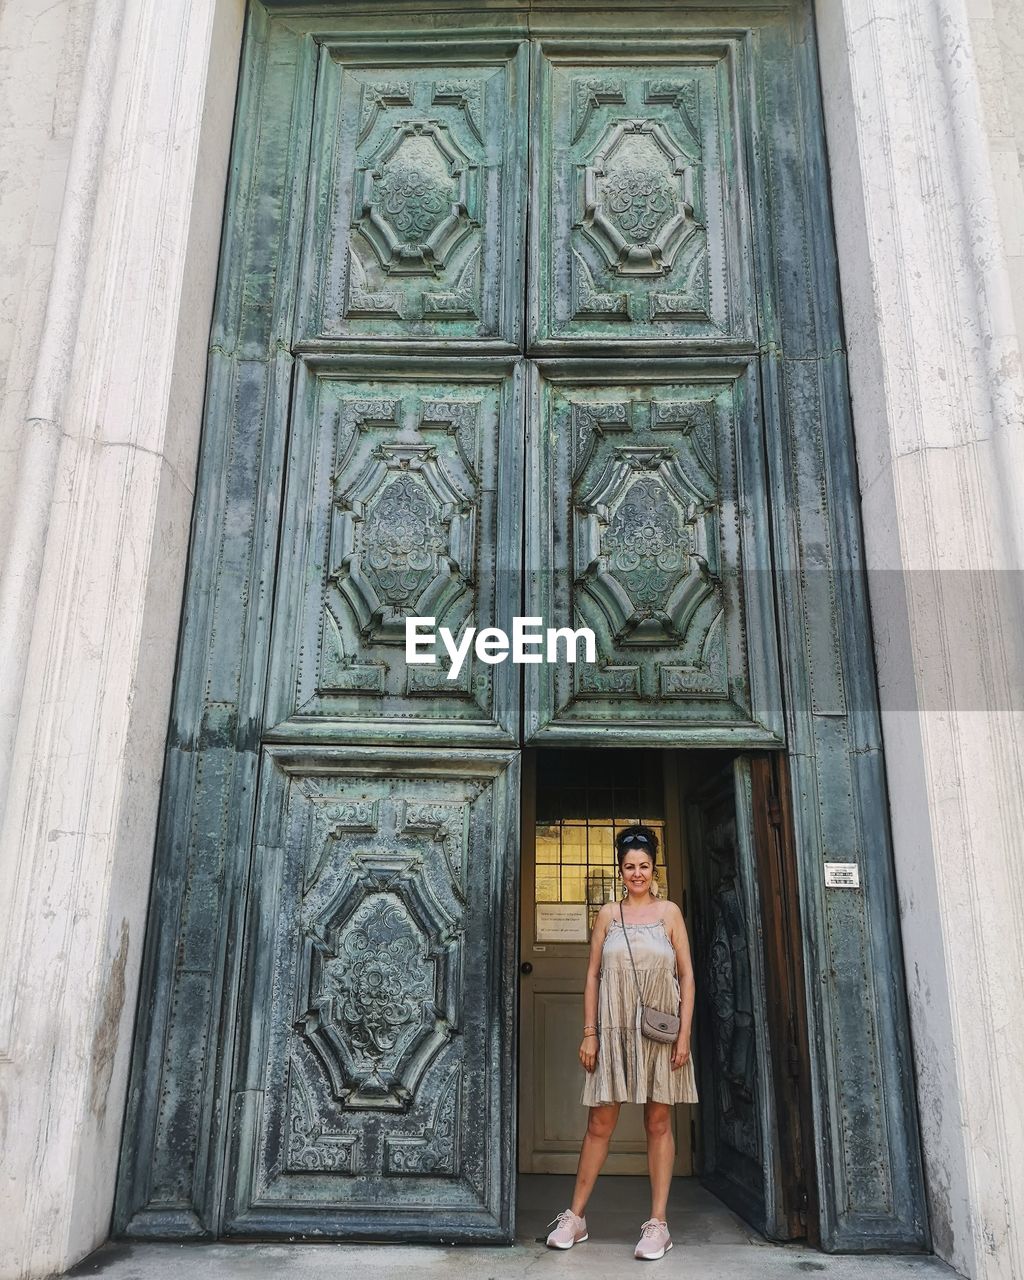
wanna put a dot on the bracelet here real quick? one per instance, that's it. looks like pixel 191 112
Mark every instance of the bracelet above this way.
pixel 588 1035
pixel 589 1028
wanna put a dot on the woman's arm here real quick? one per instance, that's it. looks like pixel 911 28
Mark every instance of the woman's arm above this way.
pixel 589 1044
pixel 676 927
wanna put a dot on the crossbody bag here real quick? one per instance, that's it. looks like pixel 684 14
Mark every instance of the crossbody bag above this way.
pixel 654 1025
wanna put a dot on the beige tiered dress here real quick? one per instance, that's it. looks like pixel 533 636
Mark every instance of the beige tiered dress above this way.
pixel 631 1068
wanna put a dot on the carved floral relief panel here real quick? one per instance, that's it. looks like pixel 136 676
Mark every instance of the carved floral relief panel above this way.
pixel 642 234
pixel 653 489
pixel 402 501
pixel 415 228
pixel 372 1055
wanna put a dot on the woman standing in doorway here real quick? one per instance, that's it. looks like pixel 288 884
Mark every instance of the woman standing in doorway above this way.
pixel 639 955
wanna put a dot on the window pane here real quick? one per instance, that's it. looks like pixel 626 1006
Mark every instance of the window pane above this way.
pixel 547 885
pixel 583 798
pixel 574 882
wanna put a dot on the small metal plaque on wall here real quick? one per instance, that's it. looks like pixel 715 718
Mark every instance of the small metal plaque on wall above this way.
pixel 842 875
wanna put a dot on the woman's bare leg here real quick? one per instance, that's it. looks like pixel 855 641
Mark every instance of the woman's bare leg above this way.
pixel 661 1154
pixel 593 1153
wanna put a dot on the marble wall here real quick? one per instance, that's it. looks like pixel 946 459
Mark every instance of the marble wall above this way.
pixel 96 531
pixel 42 48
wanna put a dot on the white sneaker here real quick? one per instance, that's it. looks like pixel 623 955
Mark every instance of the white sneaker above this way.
pixel 654 1241
pixel 570 1230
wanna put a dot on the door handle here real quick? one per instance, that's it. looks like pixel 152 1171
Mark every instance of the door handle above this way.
pixel 526 967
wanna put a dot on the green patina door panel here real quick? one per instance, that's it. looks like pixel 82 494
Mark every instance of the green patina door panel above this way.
pixel 415 227
pixel 372 1069
pixel 643 236
pixel 647 522
pixel 739 1143
pixel 336 493
pixel 403 499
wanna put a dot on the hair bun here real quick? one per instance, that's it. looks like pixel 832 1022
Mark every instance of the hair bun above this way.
pixel 636 837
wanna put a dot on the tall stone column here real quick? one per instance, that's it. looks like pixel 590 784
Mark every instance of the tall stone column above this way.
pixel 94 658
pixel 923 190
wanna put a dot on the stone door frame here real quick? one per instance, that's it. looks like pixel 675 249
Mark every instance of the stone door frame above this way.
pixel 156 139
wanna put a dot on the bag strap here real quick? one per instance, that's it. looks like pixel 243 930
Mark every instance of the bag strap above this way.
pixel 636 978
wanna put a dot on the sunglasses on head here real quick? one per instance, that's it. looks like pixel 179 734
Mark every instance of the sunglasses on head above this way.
pixel 628 840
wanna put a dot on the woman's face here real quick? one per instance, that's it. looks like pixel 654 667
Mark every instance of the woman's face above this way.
pixel 637 870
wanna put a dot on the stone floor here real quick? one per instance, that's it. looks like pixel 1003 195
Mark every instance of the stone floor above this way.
pixel 711 1243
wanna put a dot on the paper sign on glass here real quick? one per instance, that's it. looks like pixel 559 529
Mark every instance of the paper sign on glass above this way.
pixel 562 922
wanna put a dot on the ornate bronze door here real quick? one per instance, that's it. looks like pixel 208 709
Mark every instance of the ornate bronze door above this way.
pixel 740 1152
pixel 334 947
pixel 460 367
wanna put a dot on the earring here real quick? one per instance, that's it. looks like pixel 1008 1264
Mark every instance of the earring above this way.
pixel 655 890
